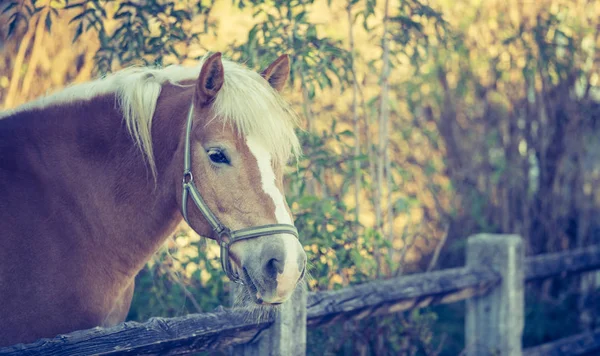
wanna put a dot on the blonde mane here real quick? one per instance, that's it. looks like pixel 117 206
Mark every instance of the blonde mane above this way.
pixel 246 101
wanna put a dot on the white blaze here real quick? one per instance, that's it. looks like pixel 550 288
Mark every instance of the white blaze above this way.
pixel 286 281
pixel 267 175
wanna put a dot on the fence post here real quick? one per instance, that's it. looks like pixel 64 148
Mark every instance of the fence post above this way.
pixel 494 322
pixel 287 335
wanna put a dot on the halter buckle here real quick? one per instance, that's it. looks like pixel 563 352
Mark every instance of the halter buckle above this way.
pixel 225 237
pixel 188 177
pixel 225 240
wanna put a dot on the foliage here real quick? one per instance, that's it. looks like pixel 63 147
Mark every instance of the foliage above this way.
pixel 286 28
pixel 523 80
pixel 130 32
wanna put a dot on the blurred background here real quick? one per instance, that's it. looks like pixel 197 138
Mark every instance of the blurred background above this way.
pixel 424 122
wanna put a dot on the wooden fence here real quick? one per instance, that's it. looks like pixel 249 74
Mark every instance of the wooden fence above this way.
pixel 492 283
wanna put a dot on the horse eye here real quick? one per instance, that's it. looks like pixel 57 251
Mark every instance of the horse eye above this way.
pixel 218 157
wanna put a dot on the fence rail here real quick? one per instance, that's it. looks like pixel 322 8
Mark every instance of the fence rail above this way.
pixel 399 294
pixel 562 263
pixel 582 344
pixel 165 336
pixel 478 283
pixel 210 331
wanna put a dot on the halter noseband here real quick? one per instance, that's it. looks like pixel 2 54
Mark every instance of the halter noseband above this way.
pixel 225 236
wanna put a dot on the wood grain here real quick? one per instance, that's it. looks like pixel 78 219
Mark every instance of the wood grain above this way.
pixel 398 294
pixel 219 330
pixel 211 331
pixel 587 343
pixel 562 263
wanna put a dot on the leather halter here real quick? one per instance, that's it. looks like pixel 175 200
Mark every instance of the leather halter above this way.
pixel 226 237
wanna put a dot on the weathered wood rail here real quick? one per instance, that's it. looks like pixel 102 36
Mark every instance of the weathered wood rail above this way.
pixel 586 343
pixel 562 263
pixel 492 283
pixel 210 331
pixel 399 294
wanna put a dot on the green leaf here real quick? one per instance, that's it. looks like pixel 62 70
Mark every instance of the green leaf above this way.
pixel 75 5
pixel 48 22
pixel 78 32
pixel 30 10
pixel 307 201
pixel 123 14
pixel 12 22
pixel 80 16
pixel 9 7
pixel 347 133
pixel 300 17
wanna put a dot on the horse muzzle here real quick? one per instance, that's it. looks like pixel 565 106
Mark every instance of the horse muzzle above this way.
pixel 271 267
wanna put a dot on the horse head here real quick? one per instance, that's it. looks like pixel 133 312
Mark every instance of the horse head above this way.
pixel 237 139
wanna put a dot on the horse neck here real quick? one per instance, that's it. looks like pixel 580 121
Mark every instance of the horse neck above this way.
pixel 149 203
pixel 110 202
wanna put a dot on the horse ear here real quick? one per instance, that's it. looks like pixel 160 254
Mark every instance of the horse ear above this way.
pixel 210 80
pixel 278 72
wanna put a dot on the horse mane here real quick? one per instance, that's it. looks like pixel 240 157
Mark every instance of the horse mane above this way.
pixel 245 100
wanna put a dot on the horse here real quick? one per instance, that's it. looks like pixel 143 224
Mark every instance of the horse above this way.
pixel 94 178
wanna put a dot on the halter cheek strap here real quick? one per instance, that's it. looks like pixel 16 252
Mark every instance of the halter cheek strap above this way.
pixel 225 236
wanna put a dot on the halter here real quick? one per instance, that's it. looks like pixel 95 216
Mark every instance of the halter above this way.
pixel 226 237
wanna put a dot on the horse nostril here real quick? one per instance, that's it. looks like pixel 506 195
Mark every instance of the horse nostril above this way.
pixel 273 257
pixel 273 266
